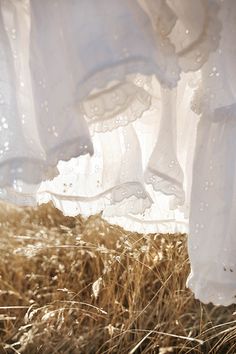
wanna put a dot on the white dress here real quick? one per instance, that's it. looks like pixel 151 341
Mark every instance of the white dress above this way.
pixel 126 108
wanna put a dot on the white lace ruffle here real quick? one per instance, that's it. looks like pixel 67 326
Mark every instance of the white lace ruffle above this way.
pixel 117 105
pixel 121 200
pixel 190 29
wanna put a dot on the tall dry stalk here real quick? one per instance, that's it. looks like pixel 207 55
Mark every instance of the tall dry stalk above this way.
pixel 71 286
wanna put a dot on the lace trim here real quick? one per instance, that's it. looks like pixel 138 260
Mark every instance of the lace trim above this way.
pixel 119 72
pixel 117 105
pixel 197 52
pixel 166 185
pixel 129 197
pixel 135 223
pixel 163 20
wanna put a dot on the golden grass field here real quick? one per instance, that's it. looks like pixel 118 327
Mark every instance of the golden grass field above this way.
pixel 71 286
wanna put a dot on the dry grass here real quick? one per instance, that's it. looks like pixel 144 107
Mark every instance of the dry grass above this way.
pixel 71 286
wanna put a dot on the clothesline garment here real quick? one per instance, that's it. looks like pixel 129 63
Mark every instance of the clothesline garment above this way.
pixel 126 108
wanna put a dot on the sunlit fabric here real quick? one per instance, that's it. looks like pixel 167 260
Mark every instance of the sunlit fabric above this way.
pixel 126 108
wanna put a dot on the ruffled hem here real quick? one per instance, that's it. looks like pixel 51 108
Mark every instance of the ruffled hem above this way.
pixel 118 105
pixel 121 206
pixel 134 223
pixel 118 73
pixel 120 200
pixel 164 19
pixel 167 185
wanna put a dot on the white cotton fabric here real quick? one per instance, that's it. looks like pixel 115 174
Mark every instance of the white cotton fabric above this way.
pixel 126 108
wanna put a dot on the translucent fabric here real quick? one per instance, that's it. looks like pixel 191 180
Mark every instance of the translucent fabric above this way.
pixel 126 108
